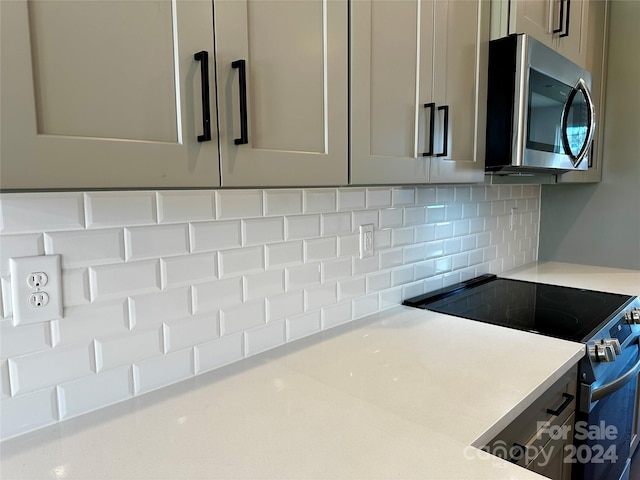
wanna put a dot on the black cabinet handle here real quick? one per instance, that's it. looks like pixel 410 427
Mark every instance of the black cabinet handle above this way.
pixel 203 58
pixel 432 119
pixel 445 131
pixel 568 398
pixel 560 19
pixel 566 21
pixel 241 65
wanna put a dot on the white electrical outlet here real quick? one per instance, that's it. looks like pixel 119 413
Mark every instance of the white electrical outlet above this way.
pixel 366 240
pixel 36 289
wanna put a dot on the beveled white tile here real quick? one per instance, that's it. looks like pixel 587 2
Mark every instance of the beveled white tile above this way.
pixel 475 257
pixel 190 269
pixel 498 208
pixel 75 287
pixel 504 192
pixel 5 387
pixel 151 310
pixel 284 254
pixel 264 284
pixel 410 254
pixel 424 269
pixel 391 217
pixel 415 215
pixel 349 245
pixel 131 347
pixel 258 231
pixel 381 238
pixel 81 324
pixel 303 325
pixel 461 228
pixel 336 269
pixel 492 192
pixel 188 332
pixel 121 280
pixel 404 196
pixel 84 248
pixel 462 194
pixel 122 208
pixel 378 197
pixel 238 203
pixel 28 412
pixel 365 265
pixel 436 213
pixel 484 209
pixel 445 195
pixel 365 305
pixel 242 317
pixel 40 212
pixel 452 245
pixel 489 253
pixel 425 195
pixel 478 194
pixel 453 212
pixel 219 352
pixel 321 249
pixel 378 281
pixel 476 225
pixel 460 260
pixel 302 276
pixel 434 249
pixel 23 339
pixel 320 296
pixel 336 223
pixel 414 289
pixel 95 391
pixel 265 337
pixel 319 200
pixel 444 230
pixel 287 305
pixel 241 261
pixel 210 236
pixel 402 236
pixel 26 245
pixel 142 243
pixel 283 202
pixel 483 239
pixel 36 371
pixel 451 278
pixel 402 275
pixel 392 258
pixel 350 199
pixel 303 226
pixel 351 288
pixel 153 373
pixel 364 217
pixel 443 265
pixel 210 297
pixel 6 308
pixel 336 315
pixel 390 298
pixel 186 206
pixel 468 242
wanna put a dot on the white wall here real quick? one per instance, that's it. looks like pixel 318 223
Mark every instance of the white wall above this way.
pixel 600 224
pixel 161 286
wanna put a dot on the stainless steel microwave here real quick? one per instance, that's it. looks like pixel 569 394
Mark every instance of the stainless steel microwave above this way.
pixel 540 116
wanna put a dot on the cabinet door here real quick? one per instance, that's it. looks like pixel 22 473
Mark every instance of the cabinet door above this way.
pixel 537 18
pixel 104 94
pixel 460 65
pixel 574 45
pixel 391 80
pixel 295 57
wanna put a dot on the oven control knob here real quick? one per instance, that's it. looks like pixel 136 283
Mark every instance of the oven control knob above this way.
pixel 602 352
pixel 635 315
pixel 615 343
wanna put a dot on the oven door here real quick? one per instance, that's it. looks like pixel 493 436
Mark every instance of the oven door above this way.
pixel 603 435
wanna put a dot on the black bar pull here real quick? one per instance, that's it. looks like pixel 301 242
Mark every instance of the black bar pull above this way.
pixel 568 398
pixel 432 119
pixel 445 131
pixel 241 65
pixel 203 58
pixel 566 21
pixel 560 19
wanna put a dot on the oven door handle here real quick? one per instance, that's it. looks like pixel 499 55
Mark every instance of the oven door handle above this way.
pixel 619 382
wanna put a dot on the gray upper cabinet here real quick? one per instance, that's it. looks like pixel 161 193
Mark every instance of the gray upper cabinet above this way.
pixel 287 61
pixel 105 94
pixel 418 71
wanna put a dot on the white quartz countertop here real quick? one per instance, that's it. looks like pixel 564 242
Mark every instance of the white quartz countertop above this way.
pixel 401 394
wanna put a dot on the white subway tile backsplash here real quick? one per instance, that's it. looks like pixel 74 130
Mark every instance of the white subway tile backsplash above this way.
pixel 219 352
pixel 238 203
pixel 37 212
pixel 29 373
pixel 117 209
pixel 121 280
pixel 283 202
pixel 28 412
pixel 157 372
pixel 258 231
pixel 186 206
pixel 241 261
pixel 26 245
pixel 142 243
pixel 95 391
pixel 210 236
pixel 163 285
pixel 83 248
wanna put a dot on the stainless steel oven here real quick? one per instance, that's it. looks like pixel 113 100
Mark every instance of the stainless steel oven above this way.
pixel 609 326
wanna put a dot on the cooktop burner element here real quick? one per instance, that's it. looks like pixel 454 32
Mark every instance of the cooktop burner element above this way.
pixel 563 312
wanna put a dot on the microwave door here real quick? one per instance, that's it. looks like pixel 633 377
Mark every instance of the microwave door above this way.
pixel 578 123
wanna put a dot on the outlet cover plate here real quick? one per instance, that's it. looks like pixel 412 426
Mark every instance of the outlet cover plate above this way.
pixel 21 268
pixel 366 240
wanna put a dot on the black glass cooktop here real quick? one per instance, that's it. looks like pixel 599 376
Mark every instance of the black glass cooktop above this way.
pixel 563 312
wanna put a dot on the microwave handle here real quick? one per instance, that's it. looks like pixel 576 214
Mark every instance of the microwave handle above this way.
pixel 581 87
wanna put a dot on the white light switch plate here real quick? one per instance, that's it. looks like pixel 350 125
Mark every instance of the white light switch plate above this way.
pixel 36 289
